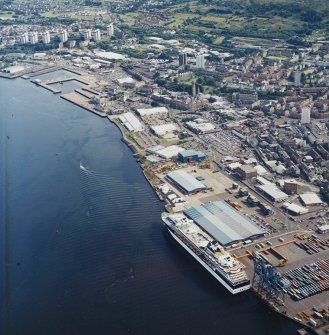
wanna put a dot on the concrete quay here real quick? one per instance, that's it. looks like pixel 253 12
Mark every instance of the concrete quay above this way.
pixel 81 102
pixel 63 80
pixel 47 87
pixel 40 72
pixel 85 94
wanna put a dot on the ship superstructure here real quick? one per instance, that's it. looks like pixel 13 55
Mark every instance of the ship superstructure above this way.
pixel 208 252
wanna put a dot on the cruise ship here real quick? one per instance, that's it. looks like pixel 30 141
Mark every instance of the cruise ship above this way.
pixel 208 252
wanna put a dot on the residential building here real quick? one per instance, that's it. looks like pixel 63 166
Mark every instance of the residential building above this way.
pixel 200 62
pixel 45 37
pixel 87 34
pixel 24 38
pixel 96 35
pixel 182 58
pixel 63 36
pixel 33 37
pixel 110 29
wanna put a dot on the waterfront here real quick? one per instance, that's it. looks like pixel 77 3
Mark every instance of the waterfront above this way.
pixel 84 250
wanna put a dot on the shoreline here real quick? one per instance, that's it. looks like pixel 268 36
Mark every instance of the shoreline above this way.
pixel 138 153
pixel 273 308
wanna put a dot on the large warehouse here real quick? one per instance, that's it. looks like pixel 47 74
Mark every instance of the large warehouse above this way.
pixel 224 223
pixel 131 122
pixel 151 111
pixel 185 182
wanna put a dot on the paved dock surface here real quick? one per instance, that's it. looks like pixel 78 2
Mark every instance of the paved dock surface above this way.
pixel 81 102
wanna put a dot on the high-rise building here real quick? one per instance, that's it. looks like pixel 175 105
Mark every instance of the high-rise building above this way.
pixel 96 35
pixel 182 59
pixel 87 34
pixel 306 115
pixel 193 89
pixel 297 78
pixel 63 36
pixel 200 62
pixel 45 37
pixel 110 30
pixel 33 37
pixel 24 38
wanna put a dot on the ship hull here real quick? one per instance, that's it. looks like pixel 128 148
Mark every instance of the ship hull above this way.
pixel 213 273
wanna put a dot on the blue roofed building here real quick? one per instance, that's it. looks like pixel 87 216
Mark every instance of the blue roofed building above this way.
pixel 224 223
pixel 185 182
pixel 191 156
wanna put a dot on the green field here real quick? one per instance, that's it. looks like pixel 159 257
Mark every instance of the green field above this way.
pixel 129 18
pixel 251 18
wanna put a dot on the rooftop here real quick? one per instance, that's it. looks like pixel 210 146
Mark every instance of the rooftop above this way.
pixel 223 222
pixel 131 122
pixel 273 191
pixel 169 152
pixel 186 181
pixel 151 111
pixel 310 199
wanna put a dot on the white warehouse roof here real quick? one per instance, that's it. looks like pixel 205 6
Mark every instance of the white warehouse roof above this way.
pixel 273 192
pixel 170 151
pixel 223 222
pixel 163 129
pixel 131 122
pixel 295 208
pixel 310 199
pixel 185 181
pixel 151 111
pixel 201 127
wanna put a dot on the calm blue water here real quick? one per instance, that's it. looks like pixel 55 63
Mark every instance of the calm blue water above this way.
pixel 83 250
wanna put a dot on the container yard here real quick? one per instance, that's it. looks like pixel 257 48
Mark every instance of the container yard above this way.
pixel 308 280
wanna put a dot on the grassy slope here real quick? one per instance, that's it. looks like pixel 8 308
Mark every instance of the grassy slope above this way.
pixel 258 18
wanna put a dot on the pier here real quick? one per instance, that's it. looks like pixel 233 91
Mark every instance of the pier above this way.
pixel 32 74
pixel 63 80
pixel 81 102
pixel 41 72
pixel 47 87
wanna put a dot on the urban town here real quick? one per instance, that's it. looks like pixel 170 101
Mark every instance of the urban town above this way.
pixel 233 136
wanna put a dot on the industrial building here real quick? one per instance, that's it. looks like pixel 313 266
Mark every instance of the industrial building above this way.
pixel 191 156
pixel 246 172
pixel 13 69
pixel 323 229
pixel 271 190
pixel 166 152
pixel 131 122
pixel 152 111
pixel 200 127
pixel 295 209
pixel 164 129
pixel 185 182
pixel 224 223
pixel 310 199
